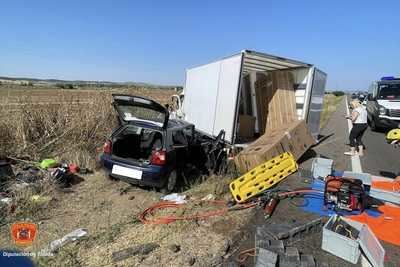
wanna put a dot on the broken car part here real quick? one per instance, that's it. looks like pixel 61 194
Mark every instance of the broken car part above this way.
pixel 71 237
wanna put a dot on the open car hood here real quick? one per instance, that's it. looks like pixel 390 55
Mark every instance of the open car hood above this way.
pixel 135 108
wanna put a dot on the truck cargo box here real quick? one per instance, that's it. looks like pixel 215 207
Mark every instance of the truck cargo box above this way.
pixel 255 84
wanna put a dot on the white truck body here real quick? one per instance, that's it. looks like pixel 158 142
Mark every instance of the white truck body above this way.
pixel 212 91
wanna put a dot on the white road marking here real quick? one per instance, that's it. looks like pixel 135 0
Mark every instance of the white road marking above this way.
pixel 355 160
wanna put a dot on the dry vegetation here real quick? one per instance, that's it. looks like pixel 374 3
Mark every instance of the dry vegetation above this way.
pixel 71 125
pixel 330 105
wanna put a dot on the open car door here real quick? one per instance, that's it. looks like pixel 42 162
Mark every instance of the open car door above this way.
pixel 136 108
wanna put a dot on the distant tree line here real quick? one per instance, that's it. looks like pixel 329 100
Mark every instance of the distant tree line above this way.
pixel 338 93
pixel 335 93
pixel 65 85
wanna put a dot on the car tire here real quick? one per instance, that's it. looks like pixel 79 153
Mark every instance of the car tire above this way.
pixel 372 125
pixel 171 182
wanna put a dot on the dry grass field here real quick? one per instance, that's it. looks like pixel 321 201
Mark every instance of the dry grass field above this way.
pixel 69 125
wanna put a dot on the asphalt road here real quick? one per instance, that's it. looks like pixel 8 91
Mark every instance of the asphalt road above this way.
pixel 334 141
pixel 381 158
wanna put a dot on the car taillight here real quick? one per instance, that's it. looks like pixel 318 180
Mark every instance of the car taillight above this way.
pixel 107 147
pixel 158 157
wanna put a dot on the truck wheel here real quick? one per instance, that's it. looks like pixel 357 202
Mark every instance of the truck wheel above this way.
pixel 170 183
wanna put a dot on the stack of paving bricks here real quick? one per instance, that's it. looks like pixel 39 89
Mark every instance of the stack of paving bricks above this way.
pixel 274 244
pixel 272 253
pixel 289 233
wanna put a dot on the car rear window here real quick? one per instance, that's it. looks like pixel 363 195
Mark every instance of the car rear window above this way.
pixel 132 113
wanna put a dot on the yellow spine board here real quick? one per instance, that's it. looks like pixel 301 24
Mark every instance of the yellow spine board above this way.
pixel 263 177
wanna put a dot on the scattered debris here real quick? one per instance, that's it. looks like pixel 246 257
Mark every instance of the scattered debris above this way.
pixel 73 168
pixel 6 171
pixel 124 190
pixel 191 261
pixel 29 174
pixel 174 197
pixel 174 248
pixel 48 163
pixel 6 200
pixel 321 168
pixel 294 138
pixel 73 236
pixel 209 197
pixel 143 249
pixel 40 199
pixel 343 238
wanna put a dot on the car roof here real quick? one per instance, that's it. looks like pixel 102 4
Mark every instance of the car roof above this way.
pixel 176 123
pixel 172 124
pixel 389 81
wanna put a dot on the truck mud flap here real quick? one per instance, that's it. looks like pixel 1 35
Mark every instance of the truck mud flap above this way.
pixel 263 177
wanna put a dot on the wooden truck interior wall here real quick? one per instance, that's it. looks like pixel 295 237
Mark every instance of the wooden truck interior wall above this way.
pixel 273 107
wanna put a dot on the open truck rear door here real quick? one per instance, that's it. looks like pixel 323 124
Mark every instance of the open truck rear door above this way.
pixel 213 96
pixel 316 101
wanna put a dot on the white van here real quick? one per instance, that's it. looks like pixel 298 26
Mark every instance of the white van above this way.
pixel 383 103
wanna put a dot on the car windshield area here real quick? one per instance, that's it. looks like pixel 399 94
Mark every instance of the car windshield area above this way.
pixel 389 91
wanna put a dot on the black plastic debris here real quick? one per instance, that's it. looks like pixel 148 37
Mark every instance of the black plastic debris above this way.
pixel 143 249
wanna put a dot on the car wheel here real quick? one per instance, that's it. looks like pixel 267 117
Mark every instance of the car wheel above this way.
pixel 372 125
pixel 170 183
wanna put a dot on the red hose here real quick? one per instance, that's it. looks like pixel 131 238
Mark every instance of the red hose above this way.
pixel 170 218
pixel 150 211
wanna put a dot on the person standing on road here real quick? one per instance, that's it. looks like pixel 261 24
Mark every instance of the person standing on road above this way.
pixel 360 124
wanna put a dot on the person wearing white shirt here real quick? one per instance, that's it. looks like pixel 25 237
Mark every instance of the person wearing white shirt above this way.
pixel 359 119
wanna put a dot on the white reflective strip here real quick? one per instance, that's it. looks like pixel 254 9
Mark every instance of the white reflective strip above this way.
pixel 300 92
pixel 317 100
pixel 299 99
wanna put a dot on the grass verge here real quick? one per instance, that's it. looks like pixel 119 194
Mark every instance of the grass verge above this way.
pixel 331 103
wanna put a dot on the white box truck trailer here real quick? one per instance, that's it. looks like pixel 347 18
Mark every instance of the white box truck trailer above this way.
pixel 214 91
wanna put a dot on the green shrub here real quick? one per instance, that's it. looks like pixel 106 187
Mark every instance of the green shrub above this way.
pixel 338 93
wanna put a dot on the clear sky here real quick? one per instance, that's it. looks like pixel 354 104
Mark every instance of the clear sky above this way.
pixel 355 42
